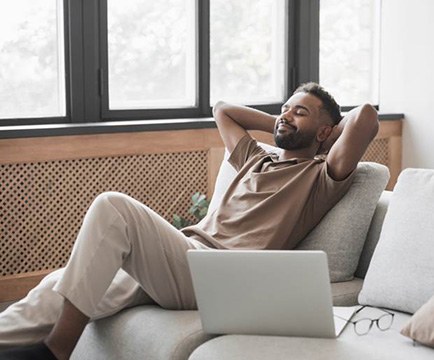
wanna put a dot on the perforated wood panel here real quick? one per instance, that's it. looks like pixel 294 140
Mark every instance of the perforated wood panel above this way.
pixel 43 204
pixel 378 151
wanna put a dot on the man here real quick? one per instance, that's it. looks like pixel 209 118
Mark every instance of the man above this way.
pixel 273 202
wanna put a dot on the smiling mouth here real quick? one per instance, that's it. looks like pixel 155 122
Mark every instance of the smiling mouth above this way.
pixel 284 124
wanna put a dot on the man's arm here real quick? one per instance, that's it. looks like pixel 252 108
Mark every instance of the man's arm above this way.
pixel 233 121
pixel 350 139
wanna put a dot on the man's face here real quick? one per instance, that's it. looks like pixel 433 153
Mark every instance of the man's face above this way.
pixel 299 121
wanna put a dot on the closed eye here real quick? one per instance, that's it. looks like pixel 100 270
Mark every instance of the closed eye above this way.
pixel 299 110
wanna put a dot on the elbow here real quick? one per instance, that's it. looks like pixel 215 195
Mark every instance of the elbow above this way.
pixel 368 118
pixel 218 107
pixel 220 112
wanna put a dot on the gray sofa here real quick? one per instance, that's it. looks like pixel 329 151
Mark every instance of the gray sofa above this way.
pixel 150 332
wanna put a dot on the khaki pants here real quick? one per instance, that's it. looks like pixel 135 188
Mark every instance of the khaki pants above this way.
pixel 125 255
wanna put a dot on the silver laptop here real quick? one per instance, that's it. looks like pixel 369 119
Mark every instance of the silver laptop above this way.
pixel 285 293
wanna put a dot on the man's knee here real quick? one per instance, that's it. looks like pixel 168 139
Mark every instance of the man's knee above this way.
pixel 116 204
pixel 111 196
pixel 52 278
pixel 111 199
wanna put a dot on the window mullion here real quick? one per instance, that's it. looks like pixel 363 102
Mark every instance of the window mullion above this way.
pixel 291 55
pixel 84 60
pixel 91 59
pixel 75 59
pixel 103 70
pixel 307 41
pixel 203 63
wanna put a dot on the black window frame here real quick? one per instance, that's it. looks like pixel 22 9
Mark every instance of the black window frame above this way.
pixel 86 57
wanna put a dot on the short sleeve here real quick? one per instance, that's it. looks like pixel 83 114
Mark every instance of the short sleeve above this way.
pixel 246 148
pixel 330 189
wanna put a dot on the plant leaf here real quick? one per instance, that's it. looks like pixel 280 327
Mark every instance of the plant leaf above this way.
pixel 203 212
pixel 179 222
pixel 195 197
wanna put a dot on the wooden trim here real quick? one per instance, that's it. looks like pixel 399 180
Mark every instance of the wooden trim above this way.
pixel 14 287
pixel 389 128
pixel 106 145
pixel 13 151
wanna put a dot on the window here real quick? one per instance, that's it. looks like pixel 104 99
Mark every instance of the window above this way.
pixel 32 70
pixel 248 51
pixel 151 54
pixel 177 58
pixel 349 50
pixel 89 61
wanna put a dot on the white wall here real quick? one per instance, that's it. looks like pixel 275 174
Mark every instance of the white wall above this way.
pixel 407 75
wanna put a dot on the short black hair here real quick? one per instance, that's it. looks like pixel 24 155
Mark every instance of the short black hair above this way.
pixel 329 103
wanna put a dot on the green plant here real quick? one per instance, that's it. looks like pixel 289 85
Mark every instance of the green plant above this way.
pixel 199 209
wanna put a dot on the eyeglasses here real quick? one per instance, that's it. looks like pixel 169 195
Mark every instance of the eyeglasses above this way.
pixel 364 325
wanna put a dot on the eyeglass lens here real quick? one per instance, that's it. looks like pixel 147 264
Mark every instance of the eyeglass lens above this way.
pixel 363 326
pixel 384 322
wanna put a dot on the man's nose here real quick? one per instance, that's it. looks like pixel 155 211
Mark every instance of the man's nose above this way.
pixel 287 115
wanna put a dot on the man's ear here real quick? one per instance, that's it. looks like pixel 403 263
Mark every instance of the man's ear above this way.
pixel 323 133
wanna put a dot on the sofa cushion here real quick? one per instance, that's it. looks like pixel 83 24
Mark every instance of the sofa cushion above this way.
pixel 375 345
pixel 401 272
pixel 342 232
pixel 346 293
pixel 143 332
pixel 150 332
pixel 421 325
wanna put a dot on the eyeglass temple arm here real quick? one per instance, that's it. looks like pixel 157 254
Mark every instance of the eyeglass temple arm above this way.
pixel 360 309
pixel 365 306
pixel 347 320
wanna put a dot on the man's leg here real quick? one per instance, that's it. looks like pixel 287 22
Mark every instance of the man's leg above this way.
pixel 119 231
pixel 31 319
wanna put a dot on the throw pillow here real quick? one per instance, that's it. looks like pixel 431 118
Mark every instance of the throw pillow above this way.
pixel 421 325
pixel 401 273
pixel 373 234
pixel 342 232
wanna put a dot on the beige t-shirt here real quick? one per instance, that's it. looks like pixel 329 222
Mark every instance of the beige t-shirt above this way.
pixel 271 203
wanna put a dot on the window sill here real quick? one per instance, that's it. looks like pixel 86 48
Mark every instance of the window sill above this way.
pixel 24 131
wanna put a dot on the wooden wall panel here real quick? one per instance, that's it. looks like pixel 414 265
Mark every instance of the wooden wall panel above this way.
pixel 44 203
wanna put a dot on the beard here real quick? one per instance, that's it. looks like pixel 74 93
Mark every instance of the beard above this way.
pixel 295 140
